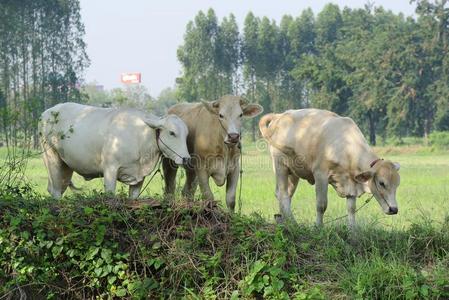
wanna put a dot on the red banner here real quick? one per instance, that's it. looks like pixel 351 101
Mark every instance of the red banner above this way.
pixel 131 77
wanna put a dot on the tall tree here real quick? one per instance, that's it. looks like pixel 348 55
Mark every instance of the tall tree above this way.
pixel 209 57
pixel 42 57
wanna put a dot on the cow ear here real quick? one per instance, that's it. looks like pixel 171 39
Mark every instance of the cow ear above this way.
pixel 211 106
pixel 364 176
pixel 397 166
pixel 252 110
pixel 154 123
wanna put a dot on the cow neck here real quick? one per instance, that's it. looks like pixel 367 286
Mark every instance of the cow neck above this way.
pixel 366 160
pixel 158 134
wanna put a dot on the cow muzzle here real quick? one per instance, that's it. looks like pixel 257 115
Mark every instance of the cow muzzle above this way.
pixel 186 161
pixel 182 161
pixel 232 138
pixel 392 210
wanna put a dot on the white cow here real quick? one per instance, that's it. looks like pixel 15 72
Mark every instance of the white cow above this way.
pixel 324 148
pixel 117 144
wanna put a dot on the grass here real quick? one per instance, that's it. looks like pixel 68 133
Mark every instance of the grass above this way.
pixel 423 193
pixel 88 245
pixel 98 247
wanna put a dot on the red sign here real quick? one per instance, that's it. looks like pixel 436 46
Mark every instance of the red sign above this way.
pixel 131 77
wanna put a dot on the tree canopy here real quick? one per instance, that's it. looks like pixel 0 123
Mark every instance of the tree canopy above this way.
pixel 387 71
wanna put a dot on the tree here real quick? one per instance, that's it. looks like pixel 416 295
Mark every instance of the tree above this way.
pixel 389 73
pixel 42 57
pixel 209 57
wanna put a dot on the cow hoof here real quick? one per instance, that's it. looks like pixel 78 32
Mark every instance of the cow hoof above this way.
pixel 278 218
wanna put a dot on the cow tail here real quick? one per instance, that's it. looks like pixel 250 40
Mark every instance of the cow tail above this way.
pixel 73 187
pixel 264 128
pixel 267 133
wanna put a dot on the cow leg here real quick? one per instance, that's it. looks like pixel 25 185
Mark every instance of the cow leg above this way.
pixel 321 184
pixel 282 194
pixel 292 184
pixel 170 170
pixel 351 207
pixel 59 174
pixel 110 180
pixel 203 180
pixel 134 190
pixel 191 184
pixel 231 187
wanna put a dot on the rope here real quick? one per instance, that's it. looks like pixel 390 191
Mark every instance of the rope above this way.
pixel 239 202
pixel 240 178
pixel 341 217
pixel 158 139
pixel 158 166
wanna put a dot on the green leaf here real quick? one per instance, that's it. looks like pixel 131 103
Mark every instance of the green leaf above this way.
pixel 112 279
pixel 15 221
pixel 56 250
pixel 92 252
pixel 121 292
pixel 106 254
pixel 88 210
pixel 98 271
pixel 71 252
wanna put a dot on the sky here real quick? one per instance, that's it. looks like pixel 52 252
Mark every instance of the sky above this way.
pixel 143 35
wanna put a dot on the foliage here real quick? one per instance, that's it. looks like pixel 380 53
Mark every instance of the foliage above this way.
pixel 210 57
pixel 386 71
pixel 439 139
pixel 134 95
pixel 83 247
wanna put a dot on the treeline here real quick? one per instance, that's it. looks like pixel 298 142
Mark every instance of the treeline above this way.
pixel 42 56
pixel 388 72
pixel 133 95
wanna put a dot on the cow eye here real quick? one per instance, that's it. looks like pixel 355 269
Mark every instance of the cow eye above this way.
pixel 172 133
pixel 241 115
pixel 221 116
pixel 382 184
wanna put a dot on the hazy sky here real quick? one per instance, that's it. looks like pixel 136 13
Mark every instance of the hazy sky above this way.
pixel 143 35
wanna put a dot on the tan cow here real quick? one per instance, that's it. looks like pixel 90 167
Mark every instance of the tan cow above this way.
pixel 325 148
pixel 213 143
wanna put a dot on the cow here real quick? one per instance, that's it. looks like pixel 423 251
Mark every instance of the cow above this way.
pixel 325 148
pixel 117 144
pixel 214 145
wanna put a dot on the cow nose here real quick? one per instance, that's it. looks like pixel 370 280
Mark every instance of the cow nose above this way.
pixel 185 161
pixel 234 137
pixel 393 210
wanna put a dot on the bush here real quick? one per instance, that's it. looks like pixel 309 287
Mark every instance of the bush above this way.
pixel 439 139
pixel 95 246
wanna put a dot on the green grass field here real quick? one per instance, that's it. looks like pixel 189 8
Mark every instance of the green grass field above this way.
pixel 423 193
pixel 94 246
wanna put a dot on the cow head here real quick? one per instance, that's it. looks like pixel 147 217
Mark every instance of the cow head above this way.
pixel 383 179
pixel 171 137
pixel 230 110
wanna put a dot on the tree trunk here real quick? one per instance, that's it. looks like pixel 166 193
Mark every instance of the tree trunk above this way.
pixel 372 129
pixel 253 98
pixel 426 131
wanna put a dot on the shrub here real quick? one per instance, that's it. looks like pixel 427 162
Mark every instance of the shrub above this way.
pixel 377 278
pixel 439 139
pixel 96 246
